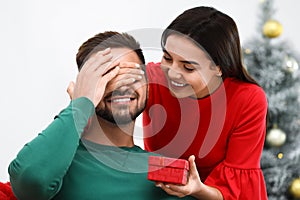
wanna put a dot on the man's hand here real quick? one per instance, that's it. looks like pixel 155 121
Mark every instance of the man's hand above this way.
pixel 93 77
pixel 130 74
pixel 70 89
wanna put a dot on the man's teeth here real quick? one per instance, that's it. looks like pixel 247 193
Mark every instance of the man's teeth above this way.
pixel 177 84
pixel 121 100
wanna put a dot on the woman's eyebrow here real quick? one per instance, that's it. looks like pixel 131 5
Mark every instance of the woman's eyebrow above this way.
pixel 183 61
pixel 165 51
pixel 189 62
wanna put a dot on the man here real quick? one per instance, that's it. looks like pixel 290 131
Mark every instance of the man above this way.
pixel 88 152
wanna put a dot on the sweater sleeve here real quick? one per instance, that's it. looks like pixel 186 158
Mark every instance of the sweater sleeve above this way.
pixel 239 176
pixel 38 170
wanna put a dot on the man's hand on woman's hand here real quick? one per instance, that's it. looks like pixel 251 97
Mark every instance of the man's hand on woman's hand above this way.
pixel 128 75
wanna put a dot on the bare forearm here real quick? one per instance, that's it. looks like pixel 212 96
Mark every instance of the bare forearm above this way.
pixel 207 193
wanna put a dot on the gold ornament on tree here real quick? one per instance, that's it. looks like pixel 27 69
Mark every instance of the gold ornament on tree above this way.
pixel 272 28
pixel 276 137
pixel 295 188
pixel 280 156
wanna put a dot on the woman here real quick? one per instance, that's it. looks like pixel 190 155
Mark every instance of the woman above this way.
pixel 202 102
pixel 211 108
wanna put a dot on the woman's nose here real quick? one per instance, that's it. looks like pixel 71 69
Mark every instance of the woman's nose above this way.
pixel 174 74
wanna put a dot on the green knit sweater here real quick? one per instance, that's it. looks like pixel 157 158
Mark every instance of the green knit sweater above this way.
pixel 57 164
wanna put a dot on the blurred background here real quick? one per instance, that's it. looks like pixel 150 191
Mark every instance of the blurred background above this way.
pixel 39 41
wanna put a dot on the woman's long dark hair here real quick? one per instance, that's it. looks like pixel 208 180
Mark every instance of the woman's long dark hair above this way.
pixel 217 34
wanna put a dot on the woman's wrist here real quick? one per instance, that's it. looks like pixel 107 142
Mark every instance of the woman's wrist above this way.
pixel 208 192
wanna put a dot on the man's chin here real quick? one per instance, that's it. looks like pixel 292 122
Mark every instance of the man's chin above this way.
pixel 118 120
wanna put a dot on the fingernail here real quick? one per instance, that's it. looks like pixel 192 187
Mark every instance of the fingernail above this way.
pixel 107 49
pixel 133 80
pixel 103 54
pixel 142 72
pixel 167 186
pixel 158 185
pixel 139 77
pixel 137 65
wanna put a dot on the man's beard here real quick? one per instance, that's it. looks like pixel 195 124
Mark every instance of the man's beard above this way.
pixel 123 117
pixel 120 114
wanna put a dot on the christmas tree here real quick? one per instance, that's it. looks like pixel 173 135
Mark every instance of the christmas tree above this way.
pixel 274 65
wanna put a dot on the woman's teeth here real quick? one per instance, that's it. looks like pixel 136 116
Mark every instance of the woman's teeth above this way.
pixel 177 84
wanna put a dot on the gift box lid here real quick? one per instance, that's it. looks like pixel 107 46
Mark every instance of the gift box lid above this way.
pixel 168 162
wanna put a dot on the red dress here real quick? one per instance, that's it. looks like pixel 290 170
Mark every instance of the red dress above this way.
pixel 225 131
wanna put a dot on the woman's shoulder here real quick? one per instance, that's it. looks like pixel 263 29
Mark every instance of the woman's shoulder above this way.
pixel 153 64
pixel 242 86
pixel 155 73
pixel 153 67
pixel 244 91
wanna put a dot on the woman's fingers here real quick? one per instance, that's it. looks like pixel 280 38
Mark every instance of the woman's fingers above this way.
pixel 193 169
pixel 171 189
pixel 193 185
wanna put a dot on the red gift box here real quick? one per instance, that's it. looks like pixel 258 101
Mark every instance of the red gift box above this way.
pixel 168 170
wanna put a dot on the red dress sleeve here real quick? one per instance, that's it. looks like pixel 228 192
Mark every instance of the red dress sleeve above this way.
pixel 239 175
pixel 235 183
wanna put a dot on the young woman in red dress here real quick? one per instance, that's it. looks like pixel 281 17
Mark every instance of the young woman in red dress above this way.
pixel 203 106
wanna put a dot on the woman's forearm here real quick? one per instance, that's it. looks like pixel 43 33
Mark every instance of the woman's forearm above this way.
pixel 208 193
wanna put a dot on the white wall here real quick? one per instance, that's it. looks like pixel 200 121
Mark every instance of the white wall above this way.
pixel 39 42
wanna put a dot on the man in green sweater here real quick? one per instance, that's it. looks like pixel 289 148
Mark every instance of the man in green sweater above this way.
pixel 88 152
